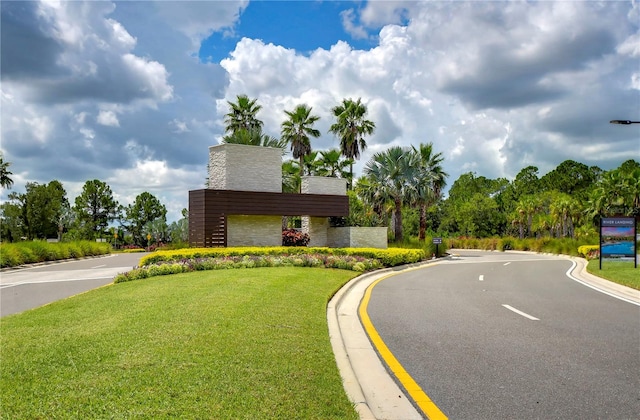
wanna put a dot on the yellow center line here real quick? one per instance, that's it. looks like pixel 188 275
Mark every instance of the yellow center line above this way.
pixel 428 407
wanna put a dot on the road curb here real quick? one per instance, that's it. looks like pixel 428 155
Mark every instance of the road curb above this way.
pixel 367 382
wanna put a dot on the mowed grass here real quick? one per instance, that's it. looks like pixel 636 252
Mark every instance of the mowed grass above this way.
pixel 621 272
pixel 231 344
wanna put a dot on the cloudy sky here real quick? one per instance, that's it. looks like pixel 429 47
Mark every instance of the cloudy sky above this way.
pixel 134 93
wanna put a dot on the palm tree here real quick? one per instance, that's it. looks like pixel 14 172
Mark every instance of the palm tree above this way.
pixel 380 203
pixel 310 163
pixel 350 127
pixel 242 115
pixel 393 171
pixel 290 177
pixel 5 179
pixel 332 165
pixel 429 181
pixel 254 138
pixel 528 207
pixel 297 129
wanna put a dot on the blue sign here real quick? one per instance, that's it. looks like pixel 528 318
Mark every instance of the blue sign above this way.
pixel 618 238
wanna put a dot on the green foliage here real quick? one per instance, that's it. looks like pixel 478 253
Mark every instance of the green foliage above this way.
pixel 564 246
pixel 94 209
pixel 39 213
pixel 146 208
pixel 18 253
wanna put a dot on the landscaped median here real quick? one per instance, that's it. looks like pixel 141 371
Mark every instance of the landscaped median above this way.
pixel 229 344
pixel 198 259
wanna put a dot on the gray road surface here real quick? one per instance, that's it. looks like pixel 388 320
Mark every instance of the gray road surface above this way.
pixel 509 336
pixel 31 287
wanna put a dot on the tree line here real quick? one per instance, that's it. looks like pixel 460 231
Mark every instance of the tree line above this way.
pixel 43 211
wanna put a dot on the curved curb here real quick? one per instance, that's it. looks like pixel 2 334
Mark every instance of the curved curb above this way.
pixel 367 382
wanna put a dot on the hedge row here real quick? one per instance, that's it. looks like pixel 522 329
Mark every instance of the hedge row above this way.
pixel 566 246
pixel 344 262
pixel 19 253
pixel 387 257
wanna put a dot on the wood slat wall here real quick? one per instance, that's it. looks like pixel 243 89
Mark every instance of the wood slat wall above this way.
pixel 208 209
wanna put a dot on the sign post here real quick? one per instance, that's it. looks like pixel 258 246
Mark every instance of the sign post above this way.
pixel 618 238
pixel 436 242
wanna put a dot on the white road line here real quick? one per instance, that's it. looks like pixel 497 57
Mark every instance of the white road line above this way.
pixel 511 308
pixel 507 263
pixel 7 285
pixel 481 278
pixel 99 266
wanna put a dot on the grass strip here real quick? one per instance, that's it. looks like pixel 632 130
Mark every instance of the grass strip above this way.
pixel 621 272
pixel 241 344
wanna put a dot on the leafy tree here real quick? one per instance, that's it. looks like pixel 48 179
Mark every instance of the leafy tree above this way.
pixel 479 216
pixel 242 115
pixel 571 178
pixel 526 182
pixel 297 130
pixel 290 176
pixel 12 226
pixel 466 189
pixel 37 210
pixel 157 229
pixel 179 231
pixel 146 208
pixel 351 127
pixel 5 174
pixel 95 208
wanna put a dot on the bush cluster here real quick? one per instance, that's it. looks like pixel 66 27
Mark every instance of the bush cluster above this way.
pixel 590 252
pixel 29 252
pixel 293 237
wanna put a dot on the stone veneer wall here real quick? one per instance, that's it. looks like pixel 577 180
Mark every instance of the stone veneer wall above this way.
pixel 245 168
pixel 254 230
pixel 317 228
pixel 323 185
pixel 357 237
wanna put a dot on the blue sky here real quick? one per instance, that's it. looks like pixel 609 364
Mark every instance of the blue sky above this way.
pixel 134 93
pixel 300 25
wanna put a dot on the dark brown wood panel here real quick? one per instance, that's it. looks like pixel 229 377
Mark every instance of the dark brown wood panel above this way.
pixel 270 204
pixel 208 210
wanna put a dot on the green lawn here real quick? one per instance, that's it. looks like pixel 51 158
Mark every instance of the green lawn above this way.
pixel 241 344
pixel 621 272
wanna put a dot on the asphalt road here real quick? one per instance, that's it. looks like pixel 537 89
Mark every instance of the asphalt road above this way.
pixel 27 288
pixel 511 336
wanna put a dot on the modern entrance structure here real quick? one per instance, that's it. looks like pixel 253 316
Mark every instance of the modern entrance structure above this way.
pixel 244 204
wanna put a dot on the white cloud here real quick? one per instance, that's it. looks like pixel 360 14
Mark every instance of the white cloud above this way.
pixel 495 86
pixel 108 118
pixel 499 67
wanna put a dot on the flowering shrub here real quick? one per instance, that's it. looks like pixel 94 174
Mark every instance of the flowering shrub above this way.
pixel 345 262
pixel 387 257
pixel 292 237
